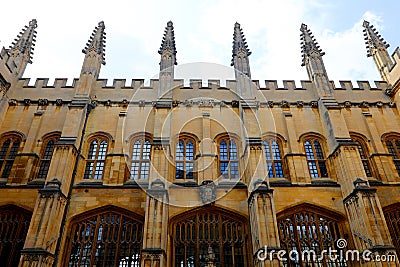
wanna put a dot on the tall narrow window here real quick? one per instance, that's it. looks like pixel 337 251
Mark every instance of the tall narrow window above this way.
pixel 107 238
pixel 315 159
pixel 393 145
pixel 140 166
pixel 184 159
pixel 362 150
pixel 8 151
pixel 46 156
pixel 274 160
pixel 228 159
pixel 96 159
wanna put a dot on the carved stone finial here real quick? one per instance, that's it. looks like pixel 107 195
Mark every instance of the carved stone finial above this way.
pixel 239 43
pixel 373 39
pixel 168 41
pixel 308 43
pixel 25 40
pixel 97 41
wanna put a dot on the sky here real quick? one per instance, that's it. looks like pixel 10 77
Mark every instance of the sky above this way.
pixel 203 33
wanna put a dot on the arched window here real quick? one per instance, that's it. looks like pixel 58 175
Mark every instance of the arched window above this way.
pixel 184 159
pixel 210 236
pixel 363 151
pixel 393 146
pixel 45 158
pixel 315 158
pixel 228 159
pixel 14 225
pixel 140 165
pixel 8 150
pixel 392 216
pixel 96 159
pixel 274 159
pixel 304 229
pixel 107 238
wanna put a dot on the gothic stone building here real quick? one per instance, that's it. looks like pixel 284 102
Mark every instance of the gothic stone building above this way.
pixel 198 175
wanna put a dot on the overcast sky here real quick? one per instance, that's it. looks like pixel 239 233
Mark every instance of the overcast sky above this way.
pixel 203 32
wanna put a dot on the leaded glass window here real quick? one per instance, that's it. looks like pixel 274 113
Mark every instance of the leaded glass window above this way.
pixel 46 156
pixel 140 163
pixel 315 159
pixel 362 150
pixel 273 157
pixel 393 146
pixel 184 159
pixel 96 159
pixel 228 159
pixel 8 151
pixel 109 238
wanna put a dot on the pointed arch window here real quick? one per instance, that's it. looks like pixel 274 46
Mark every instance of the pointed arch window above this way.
pixel 393 146
pixel 273 157
pixel 45 158
pixel 8 151
pixel 363 152
pixel 107 238
pixel 307 229
pixel 315 158
pixel 184 159
pixel 96 159
pixel 140 164
pixel 392 216
pixel 228 159
pixel 211 237
pixel 14 225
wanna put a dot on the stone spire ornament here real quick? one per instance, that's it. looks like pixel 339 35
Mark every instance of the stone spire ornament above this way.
pixel 168 43
pixel 373 39
pixel 308 44
pixel 25 41
pixel 97 42
pixel 239 47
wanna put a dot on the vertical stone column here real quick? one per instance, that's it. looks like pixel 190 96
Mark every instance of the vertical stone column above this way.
pixel 263 225
pixel 43 231
pixel 155 226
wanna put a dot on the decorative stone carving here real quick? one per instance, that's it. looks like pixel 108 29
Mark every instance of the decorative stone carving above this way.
pixel 392 104
pixel 314 104
pixel 27 101
pixel 270 104
pixel 59 102
pixel 108 103
pixel 12 102
pixel 124 103
pixel 364 104
pixel 207 192
pixel 300 104
pixel 347 104
pixel 284 104
pixel 142 103
pixel 379 104
pixel 43 102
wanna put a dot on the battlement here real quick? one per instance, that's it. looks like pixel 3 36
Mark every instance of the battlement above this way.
pixel 199 84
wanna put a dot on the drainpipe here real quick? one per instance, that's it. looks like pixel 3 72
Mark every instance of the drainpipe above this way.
pixel 89 108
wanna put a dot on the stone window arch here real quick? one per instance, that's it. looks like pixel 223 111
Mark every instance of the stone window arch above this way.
pixel 272 146
pixel 210 235
pixel 316 161
pixel 307 227
pixel 46 155
pixel 392 142
pixel 9 146
pixel 14 225
pixel 363 151
pixel 108 236
pixel 228 158
pixel 140 158
pixel 96 157
pixel 185 153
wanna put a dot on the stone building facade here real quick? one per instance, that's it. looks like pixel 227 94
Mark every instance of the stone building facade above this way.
pixel 198 175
